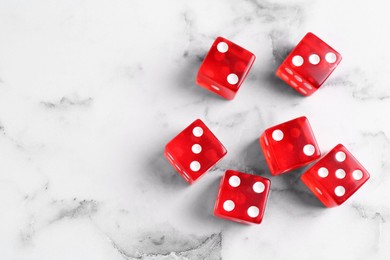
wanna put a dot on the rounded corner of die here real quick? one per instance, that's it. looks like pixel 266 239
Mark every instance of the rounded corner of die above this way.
pixel 303 118
pixel 309 33
pixel 318 153
pixel 340 57
pixel 274 172
pixel 305 178
pixel 224 151
pixel 261 140
pixel 340 146
pixel 167 148
pixel 198 120
pixel 197 78
pixel 367 174
pixel 220 39
pixel 228 172
pixel 268 182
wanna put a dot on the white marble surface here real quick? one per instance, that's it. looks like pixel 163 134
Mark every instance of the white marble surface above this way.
pixel 90 92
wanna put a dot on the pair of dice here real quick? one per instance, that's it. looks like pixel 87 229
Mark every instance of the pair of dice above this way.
pixel 242 197
pixel 226 66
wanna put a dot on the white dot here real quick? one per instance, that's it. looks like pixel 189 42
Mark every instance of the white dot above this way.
pixel 330 57
pixel 309 149
pixel 195 166
pixel 196 148
pixel 340 174
pixel 339 191
pixel 258 187
pixel 297 60
pixel 293 83
pixel 222 47
pixel 318 190
pixel 307 85
pixel 340 156
pixel 232 79
pixel 303 91
pixel 234 181
pixel 228 205
pixel 284 76
pixel 314 59
pixel 298 78
pixel 357 174
pixel 288 71
pixel 197 131
pixel 323 172
pixel 215 87
pixel 277 135
pixel 253 211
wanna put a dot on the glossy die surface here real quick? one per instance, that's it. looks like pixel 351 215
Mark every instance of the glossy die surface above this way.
pixel 308 66
pixel 224 68
pixel 335 177
pixel 242 197
pixel 289 145
pixel 194 151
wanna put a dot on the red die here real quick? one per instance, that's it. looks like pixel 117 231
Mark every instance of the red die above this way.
pixel 308 66
pixel 289 145
pixel 335 177
pixel 225 68
pixel 242 197
pixel 194 151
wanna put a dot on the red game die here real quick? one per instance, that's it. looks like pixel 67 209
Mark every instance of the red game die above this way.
pixel 224 68
pixel 242 197
pixel 308 66
pixel 289 145
pixel 194 151
pixel 335 177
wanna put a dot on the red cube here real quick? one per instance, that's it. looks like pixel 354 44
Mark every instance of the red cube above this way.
pixel 289 145
pixel 335 177
pixel 242 197
pixel 194 151
pixel 308 66
pixel 225 68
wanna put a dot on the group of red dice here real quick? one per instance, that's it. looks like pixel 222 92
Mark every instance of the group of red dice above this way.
pixel 242 197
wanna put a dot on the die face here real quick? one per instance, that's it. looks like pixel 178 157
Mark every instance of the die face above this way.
pixel 336 177
pixel 289 145
pixel 308 66
pixel 194 151
pixel 242 197
pixel 224 68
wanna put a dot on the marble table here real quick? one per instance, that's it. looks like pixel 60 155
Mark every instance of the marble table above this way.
pixel 91 91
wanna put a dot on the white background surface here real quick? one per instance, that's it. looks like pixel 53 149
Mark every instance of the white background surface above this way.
pixel 91 91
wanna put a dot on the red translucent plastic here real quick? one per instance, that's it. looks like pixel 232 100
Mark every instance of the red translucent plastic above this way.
pixel 334 180
pixel 194 151
pixel 224 68
pixel 289 145
pixel 242 197
pixel 306 73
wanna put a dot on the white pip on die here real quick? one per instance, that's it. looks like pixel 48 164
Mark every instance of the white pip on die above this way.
pixel 194 151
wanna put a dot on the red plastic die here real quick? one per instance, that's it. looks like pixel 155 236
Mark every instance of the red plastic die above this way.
pixel 308 66
pixel 289 145
pixel 194 151
pixel 242 197
pixel 224 68
pixel 335 177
